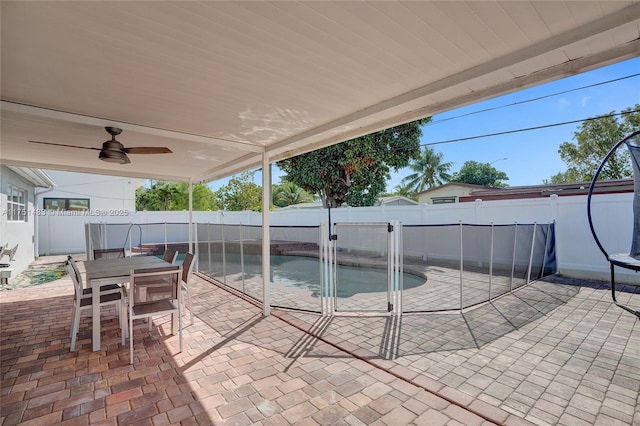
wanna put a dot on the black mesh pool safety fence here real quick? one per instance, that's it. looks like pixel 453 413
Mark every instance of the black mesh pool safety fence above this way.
pixel 444 267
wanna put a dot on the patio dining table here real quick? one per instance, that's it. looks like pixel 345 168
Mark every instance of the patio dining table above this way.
pixel 112 271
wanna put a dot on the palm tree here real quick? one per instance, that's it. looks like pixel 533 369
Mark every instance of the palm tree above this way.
pixel 429 171
pixel 289 194
pixel 404 190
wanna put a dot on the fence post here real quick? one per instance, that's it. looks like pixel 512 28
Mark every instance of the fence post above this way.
pixel 461 267
pixel 242 257
pixel 196 248
pixel 513 258
pixel 491 262
pixel 209 245
pixel 165 235
pixel 533 245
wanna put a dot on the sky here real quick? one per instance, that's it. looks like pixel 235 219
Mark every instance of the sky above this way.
pixel 526 157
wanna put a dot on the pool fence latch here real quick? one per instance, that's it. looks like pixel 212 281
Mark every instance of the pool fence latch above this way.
pixel 389 227
pixel 389 307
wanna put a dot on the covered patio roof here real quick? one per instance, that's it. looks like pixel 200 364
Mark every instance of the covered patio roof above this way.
pixel 226 85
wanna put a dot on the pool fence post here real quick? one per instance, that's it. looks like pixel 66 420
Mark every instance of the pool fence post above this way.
pixel 491 262
pixel 242 258
pixel 196 247
pixel 165 235
pixel 209 246
pixel 461 267
pixel 224 256
pixel 513 257
pixel 533 245
pixel 547 240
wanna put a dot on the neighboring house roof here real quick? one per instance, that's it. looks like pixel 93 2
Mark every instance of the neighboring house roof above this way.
pixel 37 177
pixel 540 191
pixel 454 184
pixel 313 205
pixel 395 200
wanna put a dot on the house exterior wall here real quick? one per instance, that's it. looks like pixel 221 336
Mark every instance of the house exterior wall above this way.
pixel 103 192
pixel 109 197
pixel 17 232
pixel 444 191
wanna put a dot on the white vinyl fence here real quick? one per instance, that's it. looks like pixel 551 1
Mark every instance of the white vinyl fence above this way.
pixel 577 254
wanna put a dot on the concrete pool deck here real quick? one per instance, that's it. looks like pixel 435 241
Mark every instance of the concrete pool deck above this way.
pixel 554 352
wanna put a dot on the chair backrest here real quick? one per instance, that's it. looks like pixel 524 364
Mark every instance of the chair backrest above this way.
pixel 170 256
pixel 187 267
pixel 151 285
pixel 74 265
pixel 76 278
pixel 112 253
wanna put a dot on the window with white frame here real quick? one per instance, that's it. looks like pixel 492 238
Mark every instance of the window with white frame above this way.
pixel 16 204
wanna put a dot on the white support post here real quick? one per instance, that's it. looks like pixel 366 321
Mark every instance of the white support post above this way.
pixel 266 237
pixel 190 218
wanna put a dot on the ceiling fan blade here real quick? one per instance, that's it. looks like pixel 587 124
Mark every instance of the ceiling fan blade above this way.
pixel 68 146
pixel 148 150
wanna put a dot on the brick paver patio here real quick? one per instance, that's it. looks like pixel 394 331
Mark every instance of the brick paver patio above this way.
pixel 554 352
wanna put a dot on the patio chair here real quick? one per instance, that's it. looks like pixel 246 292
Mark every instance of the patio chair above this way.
pixel 83 303
pixel 112 253
pixel 154 292
pixel 187 270
pixel 170 256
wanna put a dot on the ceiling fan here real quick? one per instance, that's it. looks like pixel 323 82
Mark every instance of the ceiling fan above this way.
pixel 113 151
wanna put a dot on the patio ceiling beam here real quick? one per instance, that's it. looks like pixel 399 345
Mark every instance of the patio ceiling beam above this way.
pixel 346 127
pixel 89 170
pixel 102 122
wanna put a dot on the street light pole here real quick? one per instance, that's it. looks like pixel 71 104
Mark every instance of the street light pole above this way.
pixel 499 159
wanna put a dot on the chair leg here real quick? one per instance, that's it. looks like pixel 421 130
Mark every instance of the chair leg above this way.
pixel 73 320
pixel 130 337
pixel 190 302
pixel 123 322
pixel 180 325
pixel 75 326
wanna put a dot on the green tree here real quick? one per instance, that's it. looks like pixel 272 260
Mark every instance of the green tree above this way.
pixel 355 171
pixel 428 171
pixel 476 173
pixel 401 190
pixel 240 193
pixel 288 194
pixel 593 140
pixel 166 196
pixel 202 197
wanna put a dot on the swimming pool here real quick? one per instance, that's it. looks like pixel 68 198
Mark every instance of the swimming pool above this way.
pixel 304 273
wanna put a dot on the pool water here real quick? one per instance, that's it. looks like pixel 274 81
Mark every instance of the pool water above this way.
pixel 304 273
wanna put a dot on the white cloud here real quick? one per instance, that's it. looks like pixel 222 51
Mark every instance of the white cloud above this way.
pixel 585 101
pixel 563 103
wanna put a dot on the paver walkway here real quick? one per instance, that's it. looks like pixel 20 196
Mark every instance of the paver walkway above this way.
pixel 552 353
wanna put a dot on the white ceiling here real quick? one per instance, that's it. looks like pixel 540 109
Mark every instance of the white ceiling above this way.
pixel 221 83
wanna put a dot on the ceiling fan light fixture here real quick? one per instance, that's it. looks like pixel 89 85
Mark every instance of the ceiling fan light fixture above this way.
pixel 114 156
